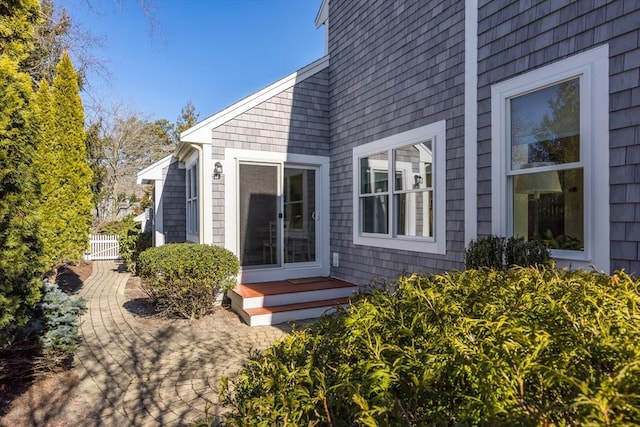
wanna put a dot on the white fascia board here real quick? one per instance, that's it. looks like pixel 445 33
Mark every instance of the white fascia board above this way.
pixel 153 172
pixel 200 133
pixel 323 14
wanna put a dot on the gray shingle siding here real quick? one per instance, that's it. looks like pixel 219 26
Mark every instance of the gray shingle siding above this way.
pixel 293 121
pixel 174 204
pixel 394 66
pixel 514 37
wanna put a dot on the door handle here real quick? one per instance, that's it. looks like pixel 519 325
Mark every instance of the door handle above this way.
pixel 313 215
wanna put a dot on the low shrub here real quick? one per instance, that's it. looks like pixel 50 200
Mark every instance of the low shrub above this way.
pixel 500 252
pixel 131 246
pixel 185 279
pixel 48 340
pixel 523 346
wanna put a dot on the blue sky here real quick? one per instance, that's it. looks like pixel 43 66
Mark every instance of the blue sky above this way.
pixel 212 52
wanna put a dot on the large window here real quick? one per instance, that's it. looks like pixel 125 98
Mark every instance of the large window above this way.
pixel 399 191
pixel 192 199
pixel 550 151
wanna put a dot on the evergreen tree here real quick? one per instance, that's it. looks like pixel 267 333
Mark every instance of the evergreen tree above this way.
pixel 17 21
pixel 64 174
pixel 188 117
pixel 21 265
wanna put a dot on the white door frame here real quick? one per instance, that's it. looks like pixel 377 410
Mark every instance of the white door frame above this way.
pixel 286 271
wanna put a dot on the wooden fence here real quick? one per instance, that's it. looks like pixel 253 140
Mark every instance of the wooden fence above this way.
pixel 104 246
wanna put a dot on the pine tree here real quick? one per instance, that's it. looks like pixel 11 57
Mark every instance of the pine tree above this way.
pixel 21 265
pixel 64 172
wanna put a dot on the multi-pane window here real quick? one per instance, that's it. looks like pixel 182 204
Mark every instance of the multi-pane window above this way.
pixel 546 169
pixel 550 158
pixel 411 192
pixel 192 199
pixel 396 189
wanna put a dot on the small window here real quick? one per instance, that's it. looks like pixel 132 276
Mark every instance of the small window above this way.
pixel 398 201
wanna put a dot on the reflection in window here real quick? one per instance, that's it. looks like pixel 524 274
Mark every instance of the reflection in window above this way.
pixel 546 171
pixel 412 192
pixel 545 126
pixel 192 199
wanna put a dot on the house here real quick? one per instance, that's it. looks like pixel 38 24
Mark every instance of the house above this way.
pixel 427 124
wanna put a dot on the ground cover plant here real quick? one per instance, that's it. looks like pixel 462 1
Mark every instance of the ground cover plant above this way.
pixel 522 346
pixel 185 279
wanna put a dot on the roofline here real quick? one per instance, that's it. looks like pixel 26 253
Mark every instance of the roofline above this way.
pixel 150 173
pixel 257 98
pixel 323 14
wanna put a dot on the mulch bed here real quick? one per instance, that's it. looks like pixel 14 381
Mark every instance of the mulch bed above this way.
pixel 49 399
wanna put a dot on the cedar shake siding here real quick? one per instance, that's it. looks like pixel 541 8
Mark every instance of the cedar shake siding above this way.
pixel 293 121
pixel 394 66
pixel 516 37
pixel 174 209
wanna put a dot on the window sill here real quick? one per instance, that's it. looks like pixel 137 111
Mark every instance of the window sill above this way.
pixel 405 244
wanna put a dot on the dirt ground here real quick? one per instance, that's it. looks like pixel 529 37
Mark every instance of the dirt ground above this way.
pixel 49 399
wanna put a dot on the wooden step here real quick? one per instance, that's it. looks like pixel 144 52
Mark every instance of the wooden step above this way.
pixel 273 315
pixel 290 286
pixel 285 292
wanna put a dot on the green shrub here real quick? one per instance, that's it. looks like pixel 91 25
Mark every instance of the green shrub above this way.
pixel 524 346
pixel 131 246
pixel 185 279
pixel 48 340
pixel 499 252
pixel 60 314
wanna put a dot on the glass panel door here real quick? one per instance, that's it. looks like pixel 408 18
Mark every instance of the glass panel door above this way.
pixel 299 199
pixel 259 229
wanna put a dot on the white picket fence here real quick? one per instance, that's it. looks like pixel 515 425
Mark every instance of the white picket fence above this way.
pixel 103 246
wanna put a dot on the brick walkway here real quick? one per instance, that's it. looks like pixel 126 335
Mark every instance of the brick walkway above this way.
pixel 147 372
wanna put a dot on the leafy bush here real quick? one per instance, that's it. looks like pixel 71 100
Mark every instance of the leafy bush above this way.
pixel 524 346
pixel 499 252
pixel 184 279
pixel 131 246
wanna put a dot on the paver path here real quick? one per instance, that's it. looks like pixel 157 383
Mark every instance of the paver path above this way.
pixel 142 372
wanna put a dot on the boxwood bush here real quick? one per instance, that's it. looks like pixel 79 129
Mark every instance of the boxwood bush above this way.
pixel 523 346
pixel 185 279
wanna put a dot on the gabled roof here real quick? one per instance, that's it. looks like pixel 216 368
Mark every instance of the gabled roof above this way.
pixel 154 172
pixel 200 133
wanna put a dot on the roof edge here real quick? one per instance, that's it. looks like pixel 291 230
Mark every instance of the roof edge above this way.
pixel 323 14
pixel 153 172
pixel 257 98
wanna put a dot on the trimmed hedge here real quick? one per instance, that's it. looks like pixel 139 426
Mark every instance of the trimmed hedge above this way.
pixel 524 346
pixel 185 279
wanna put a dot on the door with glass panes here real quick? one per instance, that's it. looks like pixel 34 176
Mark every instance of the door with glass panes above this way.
pixel 277 215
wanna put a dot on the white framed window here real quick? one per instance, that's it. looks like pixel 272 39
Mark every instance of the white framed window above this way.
pixel 399 191
pixel 192 199
pixel 550 151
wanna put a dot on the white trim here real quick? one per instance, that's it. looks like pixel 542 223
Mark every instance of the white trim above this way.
pixel 158 217
pixel 592 67
pixel 232 157
pixel 154 171
pixel 471 121
pixel 323 14
pixel 200 133
pixel 435 132
pixel 206 204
